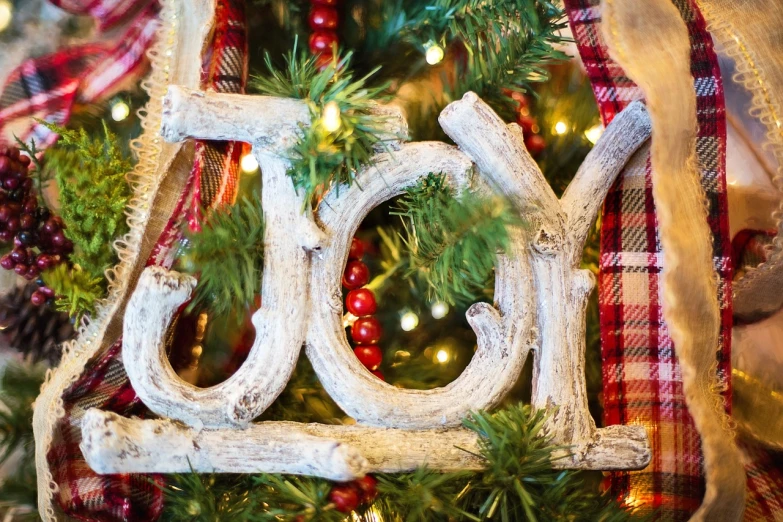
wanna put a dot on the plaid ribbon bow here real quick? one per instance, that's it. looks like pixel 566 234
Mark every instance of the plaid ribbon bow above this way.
pixel 642 378
pixel 49 87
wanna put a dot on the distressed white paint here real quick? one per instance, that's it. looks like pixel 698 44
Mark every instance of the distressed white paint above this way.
pixel 559 230
pixel 541 296
pixel 114 444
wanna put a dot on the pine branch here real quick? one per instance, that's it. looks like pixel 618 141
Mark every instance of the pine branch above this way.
pixel 454 241
pixel 228 253
pixel 321 158
pixel 90 174
pixel 519 482
pixel 295 498
pixel 77 290
pixel 501 47
pixel 421 496
pixel 205 498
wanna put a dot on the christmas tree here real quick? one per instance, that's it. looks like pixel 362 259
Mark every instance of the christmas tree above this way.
pixel 75 224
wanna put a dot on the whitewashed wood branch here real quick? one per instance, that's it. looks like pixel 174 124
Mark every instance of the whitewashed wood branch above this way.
pixel 540 293
pixel 114 444
pixel 559 229
pixel 504 335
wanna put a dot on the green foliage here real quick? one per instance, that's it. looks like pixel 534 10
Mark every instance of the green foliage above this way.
pixel 519 482
pixel 19 386
pixel 90 174
pixel 289 497
pixel 421 496
pixel 77 290
pixel 202 498
pixel 228 253
pixel 320 157
pixel 454 240
pixel 500 47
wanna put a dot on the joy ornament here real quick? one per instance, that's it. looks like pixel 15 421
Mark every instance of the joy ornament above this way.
pixel 541 298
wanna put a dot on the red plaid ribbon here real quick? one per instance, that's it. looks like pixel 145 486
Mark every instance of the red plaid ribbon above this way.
pixel 49 87
pixel 642 379
pixel 104 384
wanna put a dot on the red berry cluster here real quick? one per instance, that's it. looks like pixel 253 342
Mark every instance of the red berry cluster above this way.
pixel 366 330
pixel 323 21
pixel 533 140
pixel 347 497
pixel 39 241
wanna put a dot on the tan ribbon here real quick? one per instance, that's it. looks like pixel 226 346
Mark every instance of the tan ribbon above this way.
pixel 649 39
pixel 751 32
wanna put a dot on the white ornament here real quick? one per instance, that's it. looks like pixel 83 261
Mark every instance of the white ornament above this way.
pixel 541 296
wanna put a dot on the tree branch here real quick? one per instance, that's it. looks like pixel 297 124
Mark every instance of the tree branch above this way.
pixel 587 191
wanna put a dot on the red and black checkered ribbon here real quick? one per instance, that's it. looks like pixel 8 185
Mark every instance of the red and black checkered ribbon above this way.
pixel 82 493
pixel 642 378
pixel 49 87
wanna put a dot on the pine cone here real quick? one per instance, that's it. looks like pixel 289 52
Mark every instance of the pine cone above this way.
pixel 36 331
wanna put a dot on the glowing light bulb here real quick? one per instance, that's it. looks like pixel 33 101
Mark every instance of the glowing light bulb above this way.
pixel 434 53
pixel 120 111
pixel 248 163
pixel 439 310
pixel 442 356
pixel 561 128
pixel 331 118
pixel 409 321
pixel 593 133
pixel 6 13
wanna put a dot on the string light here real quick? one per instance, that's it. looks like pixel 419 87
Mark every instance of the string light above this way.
pixel 119 111
pixel 6 13
pixel 593 133
pixel 248 163
pixel 439 310
pixel 561 128
pixel 442 356
pixel 434 53
pixel 331 118
pixel 409 321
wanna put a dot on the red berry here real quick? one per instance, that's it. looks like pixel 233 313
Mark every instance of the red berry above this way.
pixel 6 236
pixel 48 292
pixel 58 238
pixel 356 274
pixel 38 298
pixel 366 330
pixel 20 269
pixel 11 183
pixel 323 41
pixel 344 497
pixel 24 160
pixel 535 144
pixel 6 262
pixel 361 302
pixel 12 224
pixel 357 249
pixel 368 487
pixel 51 226
pixel 5 213
pixel 378 374
pixel 43 261
pixel 26 221
pixel 370 356
pixel 323 17
pixel 324 60
pixel 528 123
pixel 19 255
